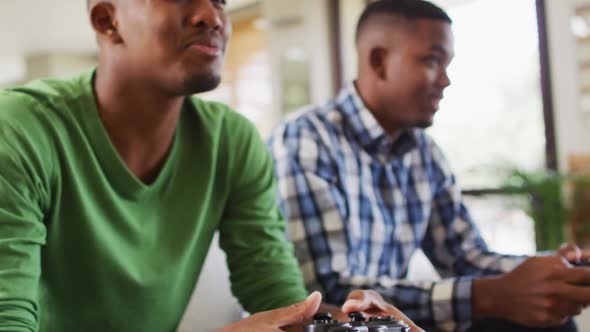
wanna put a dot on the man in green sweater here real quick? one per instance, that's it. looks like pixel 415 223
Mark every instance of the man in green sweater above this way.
pixel 113 183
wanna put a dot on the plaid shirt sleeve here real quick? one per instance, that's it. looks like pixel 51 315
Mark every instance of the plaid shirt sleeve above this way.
pixel 315 206
pixel 455 247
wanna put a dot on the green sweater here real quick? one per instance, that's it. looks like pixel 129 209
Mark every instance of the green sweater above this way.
pixel 86 246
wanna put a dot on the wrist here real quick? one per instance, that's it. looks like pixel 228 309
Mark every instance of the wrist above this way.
pixel 485 295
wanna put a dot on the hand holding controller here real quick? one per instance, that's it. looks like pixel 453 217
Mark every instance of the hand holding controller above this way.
pixel 323 322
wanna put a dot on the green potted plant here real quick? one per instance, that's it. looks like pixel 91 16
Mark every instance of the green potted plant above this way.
pixel 558 217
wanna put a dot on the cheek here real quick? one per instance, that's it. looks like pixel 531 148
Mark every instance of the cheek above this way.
pixel 166 31
pixel 420 84
pixel 162 33
pixel 406 79
pixel 163 43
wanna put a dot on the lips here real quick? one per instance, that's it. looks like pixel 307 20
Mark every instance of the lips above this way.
pixel 436 95
pixel 435 100
pixel 210 46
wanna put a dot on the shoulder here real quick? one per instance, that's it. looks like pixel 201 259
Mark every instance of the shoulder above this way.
pixel 311 119
pixel 307 129
pixel 35 118
pixel 28 113
pixel 39 102
pixel 30 116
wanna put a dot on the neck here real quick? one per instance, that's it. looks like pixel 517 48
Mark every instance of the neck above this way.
pixel 368 93
pixel 140 121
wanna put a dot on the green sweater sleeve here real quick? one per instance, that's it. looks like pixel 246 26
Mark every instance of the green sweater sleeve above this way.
pixel 22 231
pixel 263 270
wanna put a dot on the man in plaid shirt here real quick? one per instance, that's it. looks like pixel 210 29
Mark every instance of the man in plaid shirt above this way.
pixel 364 187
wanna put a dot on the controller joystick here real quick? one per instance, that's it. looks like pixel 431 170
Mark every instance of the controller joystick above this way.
pixel 392 324
pixel 356 317
pixel 322 316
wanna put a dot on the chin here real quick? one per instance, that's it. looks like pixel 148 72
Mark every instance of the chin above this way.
pixel 424 124
pixel 201 82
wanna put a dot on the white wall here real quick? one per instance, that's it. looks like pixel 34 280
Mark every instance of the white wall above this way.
pixel 350 11
pixel 38 25
pixel 300 25
pixel 571 124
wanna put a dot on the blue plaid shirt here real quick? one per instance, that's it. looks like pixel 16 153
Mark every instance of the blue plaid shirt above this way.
pixel 359 204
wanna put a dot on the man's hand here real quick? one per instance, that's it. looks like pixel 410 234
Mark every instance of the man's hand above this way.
pixel 278 319
pixel 370 303
pixel 542 291
pixel 572 253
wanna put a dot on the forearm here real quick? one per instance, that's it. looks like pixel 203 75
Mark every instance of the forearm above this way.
pixel 20 269
pixel 265 278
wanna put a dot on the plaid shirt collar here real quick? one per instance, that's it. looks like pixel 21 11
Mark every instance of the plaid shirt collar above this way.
pixel 367 131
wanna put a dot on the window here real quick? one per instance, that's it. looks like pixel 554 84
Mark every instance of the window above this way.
pixel 492 116
pixel 491 120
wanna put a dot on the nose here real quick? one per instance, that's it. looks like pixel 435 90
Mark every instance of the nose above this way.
pixel 206 15
pixel 443 79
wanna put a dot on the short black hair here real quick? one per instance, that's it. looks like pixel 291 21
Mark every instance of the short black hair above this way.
pixel 409 9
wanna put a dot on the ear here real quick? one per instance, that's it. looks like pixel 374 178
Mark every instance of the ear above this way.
pixel 377 57
pixel 104 22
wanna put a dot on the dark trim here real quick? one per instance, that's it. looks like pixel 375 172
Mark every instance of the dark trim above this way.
pixel 548 112
pixel 336 44
pixel 492 191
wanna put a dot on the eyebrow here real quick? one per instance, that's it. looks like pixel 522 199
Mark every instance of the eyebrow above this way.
pixel 440 49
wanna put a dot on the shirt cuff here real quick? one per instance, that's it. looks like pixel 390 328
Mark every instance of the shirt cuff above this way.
pixel 451 304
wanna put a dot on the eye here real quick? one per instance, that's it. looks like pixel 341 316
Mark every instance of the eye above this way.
pixel 219 3
pixel 433 60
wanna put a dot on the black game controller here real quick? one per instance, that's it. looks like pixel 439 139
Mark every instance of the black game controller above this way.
pixel 323 322
pixel 584 263
pixel 392 324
